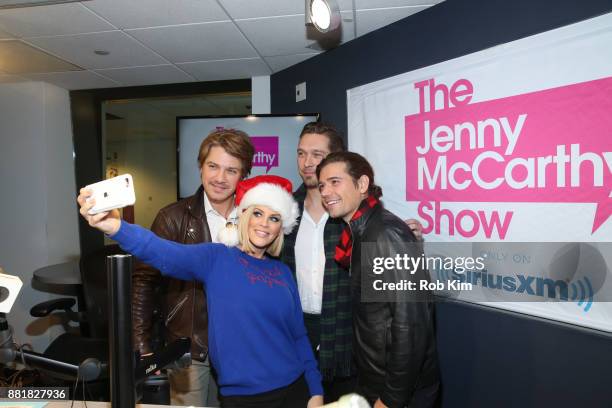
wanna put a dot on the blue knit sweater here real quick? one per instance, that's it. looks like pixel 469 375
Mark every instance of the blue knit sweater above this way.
pixel 257 340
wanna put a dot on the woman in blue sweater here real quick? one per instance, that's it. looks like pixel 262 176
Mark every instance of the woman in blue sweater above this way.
pixel 257 340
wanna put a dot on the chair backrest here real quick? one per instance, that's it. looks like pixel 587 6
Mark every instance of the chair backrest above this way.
pixel 95 289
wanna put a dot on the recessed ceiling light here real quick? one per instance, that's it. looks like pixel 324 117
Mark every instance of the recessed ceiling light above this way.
pixel 101 52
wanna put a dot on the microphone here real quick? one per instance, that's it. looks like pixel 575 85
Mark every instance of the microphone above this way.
pixel 7 351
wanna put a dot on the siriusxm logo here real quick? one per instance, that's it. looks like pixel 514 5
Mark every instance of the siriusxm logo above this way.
pixel 580 291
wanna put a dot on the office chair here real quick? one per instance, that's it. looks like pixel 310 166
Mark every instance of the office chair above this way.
pixel 93 340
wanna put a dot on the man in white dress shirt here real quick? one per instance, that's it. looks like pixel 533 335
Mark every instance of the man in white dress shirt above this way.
pixel 322 283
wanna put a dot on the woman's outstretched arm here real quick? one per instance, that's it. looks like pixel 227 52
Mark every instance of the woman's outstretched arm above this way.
pixel 186 262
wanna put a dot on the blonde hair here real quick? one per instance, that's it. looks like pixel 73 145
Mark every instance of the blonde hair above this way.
pixel 274 249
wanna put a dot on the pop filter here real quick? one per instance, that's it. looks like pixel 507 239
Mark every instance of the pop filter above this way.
pixel 9 289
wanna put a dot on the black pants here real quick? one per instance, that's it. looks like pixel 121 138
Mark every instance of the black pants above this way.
pixel 295 395
pixel 337 387
pixel 313 329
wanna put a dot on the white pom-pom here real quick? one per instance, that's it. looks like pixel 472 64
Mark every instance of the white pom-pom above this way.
pixel 228 235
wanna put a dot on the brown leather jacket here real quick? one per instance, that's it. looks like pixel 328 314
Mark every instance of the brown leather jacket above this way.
pixel 183 304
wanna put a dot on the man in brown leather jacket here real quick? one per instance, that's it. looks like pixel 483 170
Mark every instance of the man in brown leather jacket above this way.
pixel 394 342
pixel 225 157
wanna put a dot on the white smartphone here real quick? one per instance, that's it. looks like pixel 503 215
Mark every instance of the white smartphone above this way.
pixel 117 192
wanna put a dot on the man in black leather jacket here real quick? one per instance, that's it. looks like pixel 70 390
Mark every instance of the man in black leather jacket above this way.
pixel 394 341
pixel 225 157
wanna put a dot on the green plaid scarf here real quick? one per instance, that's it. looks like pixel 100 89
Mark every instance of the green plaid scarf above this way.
pixel 335 350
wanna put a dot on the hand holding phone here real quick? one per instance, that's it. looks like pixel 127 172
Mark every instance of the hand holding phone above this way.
pixel 117 192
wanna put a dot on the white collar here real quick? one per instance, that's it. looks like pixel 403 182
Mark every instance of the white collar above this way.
pixel 209 209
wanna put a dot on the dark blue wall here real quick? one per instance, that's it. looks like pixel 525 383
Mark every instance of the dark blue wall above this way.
pixel 489 358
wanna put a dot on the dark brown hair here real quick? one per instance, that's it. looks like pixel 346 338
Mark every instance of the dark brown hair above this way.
pixel 235 143
pixel 356 166
pixel 335 141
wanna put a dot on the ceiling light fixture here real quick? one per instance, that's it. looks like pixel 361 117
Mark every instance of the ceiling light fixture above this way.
pixel 324 15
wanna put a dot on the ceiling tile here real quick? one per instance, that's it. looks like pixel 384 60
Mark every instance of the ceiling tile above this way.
pixel 288 35
pixel 345 5
pixel 74 80
pixel 284 61
pixel 5 78
pixel 251 9
pixel 195 34
pixel 241 9
pixel 159 74
pixel 227 69
pixel 17 57
pixel 372 4
pixel 370 20
pixel 79 49
pixel 196 42
pixel 57 19
pixel 138 14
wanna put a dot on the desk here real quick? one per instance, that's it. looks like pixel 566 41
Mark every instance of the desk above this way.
pixel 61 279
pixel 65 274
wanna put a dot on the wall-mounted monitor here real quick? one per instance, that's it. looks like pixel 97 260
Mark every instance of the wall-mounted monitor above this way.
pixel 275 138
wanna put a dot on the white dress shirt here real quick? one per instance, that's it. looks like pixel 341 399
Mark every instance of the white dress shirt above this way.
pixel 215 220
pixel 310 262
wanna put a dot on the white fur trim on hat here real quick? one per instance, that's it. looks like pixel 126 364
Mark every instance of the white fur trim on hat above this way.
pixel 276 198
pixel 228 235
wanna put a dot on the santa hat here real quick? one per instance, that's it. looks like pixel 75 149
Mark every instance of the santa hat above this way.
pixel 267 190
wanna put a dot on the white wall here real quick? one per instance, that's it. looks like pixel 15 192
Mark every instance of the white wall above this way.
pixel 38 215
pixel 260 95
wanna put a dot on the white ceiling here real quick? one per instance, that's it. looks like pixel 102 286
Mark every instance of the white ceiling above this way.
pixel 170 41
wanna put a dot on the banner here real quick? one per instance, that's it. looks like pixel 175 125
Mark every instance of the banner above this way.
pixel 512 144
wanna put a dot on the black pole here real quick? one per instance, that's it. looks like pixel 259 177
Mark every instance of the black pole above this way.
pixel 119 272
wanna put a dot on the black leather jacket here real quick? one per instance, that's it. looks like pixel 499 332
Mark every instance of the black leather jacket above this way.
pixel 183 303
pixel 395 346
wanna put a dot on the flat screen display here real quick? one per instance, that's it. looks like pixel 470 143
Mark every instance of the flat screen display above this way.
pixel 275 139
